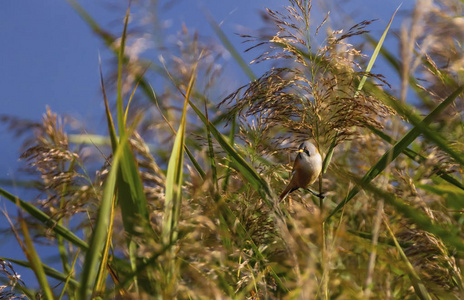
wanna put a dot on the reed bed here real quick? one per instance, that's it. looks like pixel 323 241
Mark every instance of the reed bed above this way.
pixel 178 200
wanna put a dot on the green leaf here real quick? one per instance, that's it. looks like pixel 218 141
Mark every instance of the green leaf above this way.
pixel 450 235
pixel 418 158
pixel 232 142
pixel 239 163
pixel 376 52
pixel 130 188
pixel 187 150
pixel 48 270
pixel 328 157
pixel 454 196
pixel 422 126
pixel 211 156
pixel 46 220
pixel 419 286
pixel 230 47
pixel 173 198
pixel 35 261
pixel 101 228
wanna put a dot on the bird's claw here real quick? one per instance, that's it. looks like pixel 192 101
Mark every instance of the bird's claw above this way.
pixel 321 195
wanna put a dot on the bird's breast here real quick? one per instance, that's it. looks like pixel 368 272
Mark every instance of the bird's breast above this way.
pixel 309 169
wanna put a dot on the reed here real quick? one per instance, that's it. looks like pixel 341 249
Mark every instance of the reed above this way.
pixel 138 219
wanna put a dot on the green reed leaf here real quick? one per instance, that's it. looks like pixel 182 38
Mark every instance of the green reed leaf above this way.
pixel 49 271
pixel 48 221
pixel 419 286
pixel 239 163
pixel 174 176
pixel 377 49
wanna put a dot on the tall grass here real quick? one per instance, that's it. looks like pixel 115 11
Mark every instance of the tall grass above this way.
pixel 149 223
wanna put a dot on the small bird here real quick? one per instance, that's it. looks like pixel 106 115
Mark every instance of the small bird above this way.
pixel 306 169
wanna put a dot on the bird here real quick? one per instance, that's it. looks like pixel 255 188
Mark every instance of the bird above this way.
pixel 306 169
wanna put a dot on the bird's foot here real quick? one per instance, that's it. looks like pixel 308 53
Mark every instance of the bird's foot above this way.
pixel 320 195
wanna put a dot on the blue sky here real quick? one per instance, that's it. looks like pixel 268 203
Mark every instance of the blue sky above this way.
pixel 49 56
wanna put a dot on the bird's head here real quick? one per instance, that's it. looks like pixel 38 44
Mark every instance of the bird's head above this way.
pixel 307 148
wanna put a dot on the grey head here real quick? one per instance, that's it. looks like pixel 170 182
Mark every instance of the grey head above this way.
pixel 308 148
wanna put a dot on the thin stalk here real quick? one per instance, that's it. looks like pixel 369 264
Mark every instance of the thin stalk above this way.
pixel 419 287
pixel 69 277
pixel 229 158
pixel 60 240
pixel 325 262
pixel 373 255
pixel 34 259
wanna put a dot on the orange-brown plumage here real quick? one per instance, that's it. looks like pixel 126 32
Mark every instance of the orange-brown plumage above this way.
pixel 306 168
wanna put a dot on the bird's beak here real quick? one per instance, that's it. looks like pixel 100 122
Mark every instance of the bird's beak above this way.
pixel 300 150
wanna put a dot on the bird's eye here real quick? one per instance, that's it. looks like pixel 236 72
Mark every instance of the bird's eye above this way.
pixel 306 151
